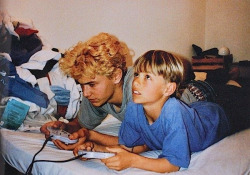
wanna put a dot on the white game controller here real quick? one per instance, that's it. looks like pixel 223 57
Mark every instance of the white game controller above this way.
pixel 58 134
pixel 95 155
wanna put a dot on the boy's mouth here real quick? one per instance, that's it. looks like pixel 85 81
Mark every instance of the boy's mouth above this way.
pixel 136 92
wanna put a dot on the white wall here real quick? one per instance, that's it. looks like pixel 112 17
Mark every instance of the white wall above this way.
pixel 143 24
pixel 228 24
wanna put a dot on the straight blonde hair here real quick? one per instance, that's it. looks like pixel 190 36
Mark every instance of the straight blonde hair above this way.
pixel 161 63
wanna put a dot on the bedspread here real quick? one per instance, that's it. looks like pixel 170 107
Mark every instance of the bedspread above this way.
pixel 230 156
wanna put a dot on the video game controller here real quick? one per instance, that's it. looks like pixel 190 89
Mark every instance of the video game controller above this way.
pixel 95 155
pixel 58 134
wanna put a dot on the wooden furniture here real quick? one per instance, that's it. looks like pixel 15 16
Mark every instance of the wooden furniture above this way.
pixel 211 63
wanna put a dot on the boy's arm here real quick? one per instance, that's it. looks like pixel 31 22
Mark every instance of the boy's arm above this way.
pixel 102 139
pixel 160 165
pixel 125 159
pixel 136 149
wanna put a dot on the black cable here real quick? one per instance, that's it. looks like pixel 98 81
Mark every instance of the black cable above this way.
pixel 61 161
pixel 29 170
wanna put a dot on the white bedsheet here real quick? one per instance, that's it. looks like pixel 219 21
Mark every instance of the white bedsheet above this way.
pixel 231 156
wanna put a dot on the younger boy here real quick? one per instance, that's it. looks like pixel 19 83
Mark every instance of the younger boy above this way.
pixel 157 121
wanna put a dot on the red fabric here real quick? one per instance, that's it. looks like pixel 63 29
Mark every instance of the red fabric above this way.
pixel 25 32
pixel 61 110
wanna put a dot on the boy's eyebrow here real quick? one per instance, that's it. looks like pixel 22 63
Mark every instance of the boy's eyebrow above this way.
pixel 90 82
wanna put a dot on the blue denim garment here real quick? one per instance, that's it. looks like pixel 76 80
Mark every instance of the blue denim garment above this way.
pixel 7 68
pixel 12 85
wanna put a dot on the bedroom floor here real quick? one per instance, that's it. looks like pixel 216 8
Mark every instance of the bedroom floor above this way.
pixel 9 170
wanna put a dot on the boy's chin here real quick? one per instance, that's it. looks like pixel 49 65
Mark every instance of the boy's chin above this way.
pixel 137 101
pixel 97 104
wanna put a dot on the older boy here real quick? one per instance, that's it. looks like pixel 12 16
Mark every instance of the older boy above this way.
pixel 99 65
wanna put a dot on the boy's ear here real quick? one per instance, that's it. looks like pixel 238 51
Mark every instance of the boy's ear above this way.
pixel 117 76
pixel 170 88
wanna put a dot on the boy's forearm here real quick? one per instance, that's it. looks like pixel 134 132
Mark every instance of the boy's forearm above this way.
pixel 102 139
pixel 136 149
pixel 157 165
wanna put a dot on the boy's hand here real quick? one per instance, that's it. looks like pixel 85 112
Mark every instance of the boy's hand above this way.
pixel 53 124
pixel 122 159
pixel 88 146
pixel 64 146
pixel 82 135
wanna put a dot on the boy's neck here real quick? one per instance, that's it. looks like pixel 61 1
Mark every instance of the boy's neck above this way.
pixel 152 115
pixel 153 111
pixel 117 97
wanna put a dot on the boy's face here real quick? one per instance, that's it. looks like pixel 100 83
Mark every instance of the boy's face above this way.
pixel 98 90
pixel 148 88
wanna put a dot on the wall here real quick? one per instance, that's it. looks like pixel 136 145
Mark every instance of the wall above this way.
pixel 143 24
pixel 227 24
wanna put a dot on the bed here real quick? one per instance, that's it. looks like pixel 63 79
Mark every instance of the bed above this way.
pixel 230 156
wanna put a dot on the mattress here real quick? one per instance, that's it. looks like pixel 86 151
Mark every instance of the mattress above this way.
pixel 230 156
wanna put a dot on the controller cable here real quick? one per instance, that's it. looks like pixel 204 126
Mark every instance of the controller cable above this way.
pixel 29 170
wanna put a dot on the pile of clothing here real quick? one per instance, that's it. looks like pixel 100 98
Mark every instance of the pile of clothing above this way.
pixel 29 73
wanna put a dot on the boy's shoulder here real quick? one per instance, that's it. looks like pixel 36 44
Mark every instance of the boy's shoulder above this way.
pixel 134 107
pixel 174 105
pixel 172 101
pixel 132 104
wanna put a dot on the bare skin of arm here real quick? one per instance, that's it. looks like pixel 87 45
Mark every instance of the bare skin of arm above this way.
pixel 92 146
pixel 124 158
pixel 102 139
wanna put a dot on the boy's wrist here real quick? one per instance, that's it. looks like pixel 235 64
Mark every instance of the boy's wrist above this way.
pixel 72 126
pixel 83 132
pixel 91 135
pixel 134 160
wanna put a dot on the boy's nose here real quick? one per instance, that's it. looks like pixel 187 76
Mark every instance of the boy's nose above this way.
pixel 136 82
pixel 86 92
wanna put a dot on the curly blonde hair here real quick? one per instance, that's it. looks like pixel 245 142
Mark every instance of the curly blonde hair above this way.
pixel 100 55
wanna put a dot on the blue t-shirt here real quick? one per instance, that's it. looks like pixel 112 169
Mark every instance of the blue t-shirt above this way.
pixel 178 131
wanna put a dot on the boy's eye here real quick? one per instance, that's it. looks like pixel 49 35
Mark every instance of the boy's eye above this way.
pixel 148 77
pixel 91 84
pixel 136 74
